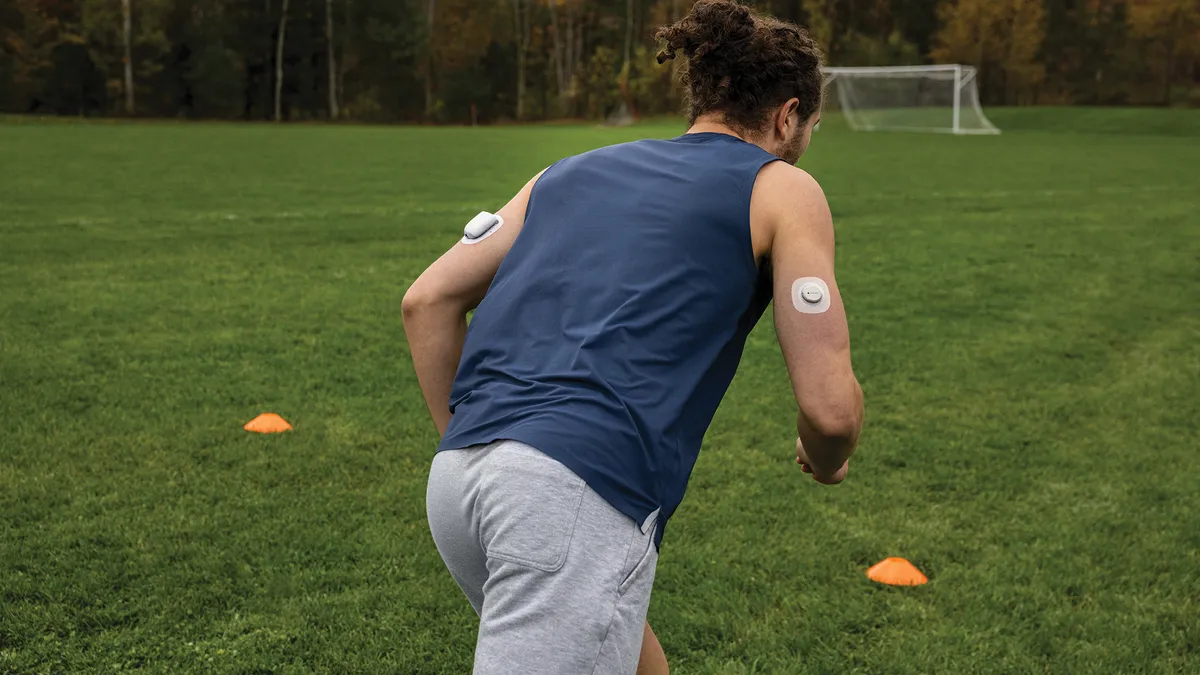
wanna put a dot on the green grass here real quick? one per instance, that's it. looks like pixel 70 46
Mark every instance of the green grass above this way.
pixel 1088 120
pixel 1025 326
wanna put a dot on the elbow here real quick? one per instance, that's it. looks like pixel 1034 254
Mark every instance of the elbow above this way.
pixel 418 300
pixel 841 425
pixel 426 301
pixel 840 419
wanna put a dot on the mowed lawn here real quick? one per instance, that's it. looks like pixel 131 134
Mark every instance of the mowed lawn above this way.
pixel 1025 315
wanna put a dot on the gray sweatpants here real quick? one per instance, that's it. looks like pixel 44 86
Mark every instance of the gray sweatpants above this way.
pixel 560 579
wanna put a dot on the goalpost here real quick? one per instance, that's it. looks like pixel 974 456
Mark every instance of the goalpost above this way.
pixel 910 98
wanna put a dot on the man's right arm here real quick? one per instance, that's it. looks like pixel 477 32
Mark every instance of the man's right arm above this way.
pixel 813 336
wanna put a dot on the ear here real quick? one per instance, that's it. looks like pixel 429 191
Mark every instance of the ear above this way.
pixel 783 117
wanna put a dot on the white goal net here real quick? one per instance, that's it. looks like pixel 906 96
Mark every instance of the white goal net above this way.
pixel 909 98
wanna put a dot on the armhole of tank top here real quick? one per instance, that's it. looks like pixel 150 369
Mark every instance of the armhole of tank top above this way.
pixel 749 222
pixel 533 192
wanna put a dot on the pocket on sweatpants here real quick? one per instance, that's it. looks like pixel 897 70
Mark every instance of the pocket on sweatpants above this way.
pixel 648 558
pixel 529 508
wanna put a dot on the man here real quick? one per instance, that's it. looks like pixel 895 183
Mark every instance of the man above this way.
pixel 613 297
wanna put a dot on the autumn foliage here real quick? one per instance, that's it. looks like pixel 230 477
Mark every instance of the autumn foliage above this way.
pixel 486 61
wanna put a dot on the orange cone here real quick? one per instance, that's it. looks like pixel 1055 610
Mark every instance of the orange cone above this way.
pixel 896 572
pixel 267 423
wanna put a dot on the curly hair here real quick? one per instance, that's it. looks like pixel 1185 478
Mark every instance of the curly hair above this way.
pixel 741 64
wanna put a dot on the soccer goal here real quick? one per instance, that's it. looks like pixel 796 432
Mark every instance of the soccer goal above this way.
pixel 909 98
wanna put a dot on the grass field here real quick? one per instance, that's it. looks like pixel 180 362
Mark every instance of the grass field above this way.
pixel 1024 310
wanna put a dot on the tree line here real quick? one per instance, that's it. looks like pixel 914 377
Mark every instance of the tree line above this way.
pixel 484 61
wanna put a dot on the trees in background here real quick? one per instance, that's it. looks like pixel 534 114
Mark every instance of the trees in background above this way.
pixel 331 61
pixel 1002 39
pixel 1168 32
pixel 462 61
pixel 127 35
pixel 279 43
pixel 522 12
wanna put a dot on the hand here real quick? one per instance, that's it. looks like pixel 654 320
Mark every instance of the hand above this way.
pixel 807 467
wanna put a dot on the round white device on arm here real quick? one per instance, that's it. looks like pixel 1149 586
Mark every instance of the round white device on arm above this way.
pixel 810 295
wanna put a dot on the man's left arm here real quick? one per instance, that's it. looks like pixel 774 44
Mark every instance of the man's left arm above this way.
pixel 435 307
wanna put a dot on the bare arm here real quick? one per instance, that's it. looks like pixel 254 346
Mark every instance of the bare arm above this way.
pixel 816 346
pixel 435 307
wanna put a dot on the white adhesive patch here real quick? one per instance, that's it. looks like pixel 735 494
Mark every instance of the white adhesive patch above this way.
pixel 481 227
pixel 810 295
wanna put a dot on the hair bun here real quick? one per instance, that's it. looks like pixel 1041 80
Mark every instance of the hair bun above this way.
pixel 718 25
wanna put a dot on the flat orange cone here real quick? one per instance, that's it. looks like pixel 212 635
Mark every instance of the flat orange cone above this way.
pixel 896 572
pixel 267 423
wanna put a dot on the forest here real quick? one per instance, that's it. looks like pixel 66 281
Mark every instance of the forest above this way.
pixel 494 61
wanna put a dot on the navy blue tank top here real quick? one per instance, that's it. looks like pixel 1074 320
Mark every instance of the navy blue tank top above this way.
pixel 616 322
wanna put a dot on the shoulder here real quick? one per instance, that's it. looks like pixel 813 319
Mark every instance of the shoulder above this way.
pixel 617 149
pixel 787 198
pixel 601 156
pixel 782 185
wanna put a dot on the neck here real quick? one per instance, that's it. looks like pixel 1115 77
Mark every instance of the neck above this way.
pixel 710 125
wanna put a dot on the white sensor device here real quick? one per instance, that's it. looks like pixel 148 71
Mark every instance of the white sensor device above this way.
pixel 481 227
pixel 810 295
